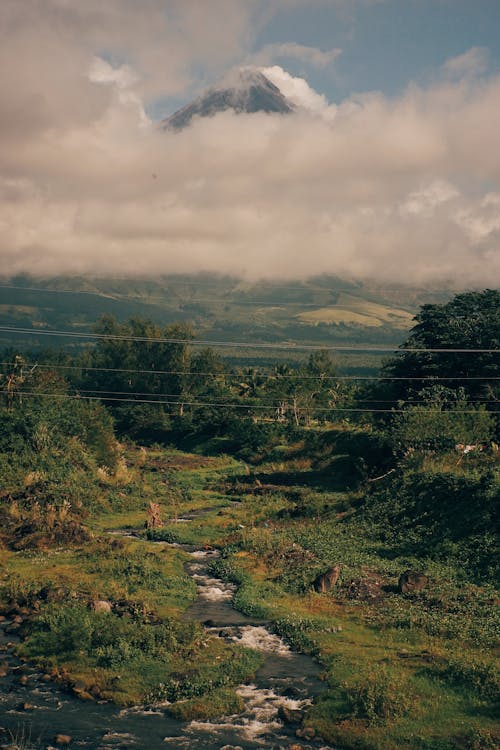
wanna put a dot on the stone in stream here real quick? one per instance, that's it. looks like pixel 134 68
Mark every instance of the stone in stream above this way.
pixel 62 740
pixel 290 715
pixel 306 733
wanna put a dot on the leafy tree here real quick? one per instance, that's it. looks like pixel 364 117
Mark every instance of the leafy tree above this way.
pixel 470 321
pixel 445 419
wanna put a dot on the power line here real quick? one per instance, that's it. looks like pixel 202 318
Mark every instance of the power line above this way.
pixel 292 346
pixel 281 400
pixel 184 402
pixel 227 375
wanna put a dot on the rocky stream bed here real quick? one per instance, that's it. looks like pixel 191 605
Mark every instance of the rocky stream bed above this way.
pixel 37 713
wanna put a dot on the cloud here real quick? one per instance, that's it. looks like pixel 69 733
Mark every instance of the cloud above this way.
pixel 428 199
pixel 298 91
pixel 474 62
pixel 399 189
pixel 291 50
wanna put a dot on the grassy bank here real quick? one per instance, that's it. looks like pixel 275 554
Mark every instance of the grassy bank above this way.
pixel 412 670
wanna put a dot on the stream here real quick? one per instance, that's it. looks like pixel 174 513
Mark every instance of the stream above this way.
pixel 39 710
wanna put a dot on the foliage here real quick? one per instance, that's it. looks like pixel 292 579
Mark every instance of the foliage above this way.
pixel 441 514
pixel 469 321
pixel 73 629
pixel 239 665
pixel 378 696
pixel 474 674
pixel 443 421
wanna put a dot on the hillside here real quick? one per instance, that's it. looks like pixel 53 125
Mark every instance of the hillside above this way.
pixel 323 310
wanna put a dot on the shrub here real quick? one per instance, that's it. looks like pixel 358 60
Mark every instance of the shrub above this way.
pixel 473 674
pixel 379 697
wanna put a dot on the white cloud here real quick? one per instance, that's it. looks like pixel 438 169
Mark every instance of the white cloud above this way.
pixel 291 50
pixel 298 91
pixel 397 189
pixel 101 71
pixel 426 200
pixel 473 62
pixel 481 221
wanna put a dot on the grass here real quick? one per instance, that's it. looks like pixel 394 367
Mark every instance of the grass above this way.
pixel 400 671
pixel 353 310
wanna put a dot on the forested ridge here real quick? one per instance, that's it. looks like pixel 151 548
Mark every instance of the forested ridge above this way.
pixel 377 476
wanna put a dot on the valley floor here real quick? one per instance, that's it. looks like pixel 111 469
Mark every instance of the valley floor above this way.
pixel 105 617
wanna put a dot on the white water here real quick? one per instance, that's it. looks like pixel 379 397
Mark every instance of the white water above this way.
pixel 257 726
pixel 260 639
pixel 259 719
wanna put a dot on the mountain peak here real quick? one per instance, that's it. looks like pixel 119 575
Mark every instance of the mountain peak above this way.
pixel 244 90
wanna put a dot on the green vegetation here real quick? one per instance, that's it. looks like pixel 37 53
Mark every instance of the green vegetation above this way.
pixel 277 470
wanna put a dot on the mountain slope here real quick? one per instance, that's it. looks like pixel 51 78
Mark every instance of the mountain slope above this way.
pixel 246 90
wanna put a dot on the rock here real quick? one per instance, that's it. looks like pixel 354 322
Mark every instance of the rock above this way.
pixel 290 715
pixel 12 628
pixel 412 580
pixel 364 589
pixel 54 594
pixel 95 691
pixel 83 695
pixel 305 733
pixel 326 581
pixel 292 692
pixel 62 740
pixel 101 605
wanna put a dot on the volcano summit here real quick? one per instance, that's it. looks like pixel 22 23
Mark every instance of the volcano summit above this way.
pixel 246 90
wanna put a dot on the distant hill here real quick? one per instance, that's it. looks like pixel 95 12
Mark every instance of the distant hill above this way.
pixel 324 311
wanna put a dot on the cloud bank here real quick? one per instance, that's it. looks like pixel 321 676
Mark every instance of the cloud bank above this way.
pixel 403 190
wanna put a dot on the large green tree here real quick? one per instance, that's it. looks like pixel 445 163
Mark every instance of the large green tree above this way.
pixel 468 326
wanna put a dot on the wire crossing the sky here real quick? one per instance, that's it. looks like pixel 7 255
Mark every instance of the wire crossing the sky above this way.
pixel 246 373
pixel 223 405
pixel 292 346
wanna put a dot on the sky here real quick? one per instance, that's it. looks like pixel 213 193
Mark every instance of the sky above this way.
pixel 389 169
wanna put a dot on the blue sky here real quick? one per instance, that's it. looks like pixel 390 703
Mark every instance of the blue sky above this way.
pixel 386 44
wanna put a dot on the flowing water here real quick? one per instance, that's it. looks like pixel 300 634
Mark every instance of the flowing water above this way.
pixel 286 680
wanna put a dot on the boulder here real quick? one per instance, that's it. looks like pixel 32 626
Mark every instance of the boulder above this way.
pixel 364 589
pixel 290 715
pixel 306 733
pixel 412 580
pixel 62 740
pixel 326 581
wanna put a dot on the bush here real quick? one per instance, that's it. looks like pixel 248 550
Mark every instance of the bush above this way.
pixel 380 696
pixel 473 674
